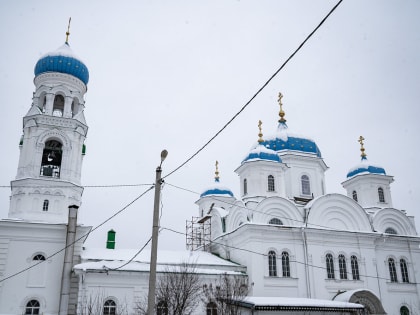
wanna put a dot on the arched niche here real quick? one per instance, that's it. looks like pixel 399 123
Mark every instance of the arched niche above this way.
pixel 277 207
pixel 337 212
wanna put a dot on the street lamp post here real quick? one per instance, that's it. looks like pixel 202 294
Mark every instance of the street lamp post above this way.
pixel 155 234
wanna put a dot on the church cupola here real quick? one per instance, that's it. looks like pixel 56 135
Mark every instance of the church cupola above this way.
pixel 52 148
pixel 261 172
pixel 367 183
pixel 304 178
pixel 216 194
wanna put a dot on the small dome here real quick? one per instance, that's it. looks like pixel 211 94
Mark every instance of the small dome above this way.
pixel 364 167
pixel 262 153
pixel 217 190
pixel 63 60
pixel 284 140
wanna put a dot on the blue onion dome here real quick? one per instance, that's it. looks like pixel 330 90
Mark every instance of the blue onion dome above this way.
pixel 217 189
pixel 63 60
pixel 260 152
pixel 283 140
pixel 364 167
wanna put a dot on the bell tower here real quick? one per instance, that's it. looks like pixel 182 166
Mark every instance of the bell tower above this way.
pixel 52 146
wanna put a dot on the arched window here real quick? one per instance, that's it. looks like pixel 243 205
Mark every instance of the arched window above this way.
pixel 211 308
pixel 270 183
pixel 32 308
pixel 285 264
pixel 45 205
pixel 39 257
pixel 110 307
pixel 404 310
pixel 390 231
pixel 275 221
pixel 329 261
pixel 245 186
pixel 354 268
pixel 342 266
pixel 354 195
pixel 306 186
pixel 404 271
pixel 51 159
pixel 58 108
pixel 381 194
pixel 272 264
pixel 392 270
pixel 162 308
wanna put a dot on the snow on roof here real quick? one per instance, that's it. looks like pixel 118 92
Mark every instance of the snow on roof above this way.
pixel 222 212
pixel 64 50
pixel 291 301
pixel 102 258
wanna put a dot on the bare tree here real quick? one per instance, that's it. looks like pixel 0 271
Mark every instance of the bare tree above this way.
pixel 226 293
pixel 98 304
pixel 178 290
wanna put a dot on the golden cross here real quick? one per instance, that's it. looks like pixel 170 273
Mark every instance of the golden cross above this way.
pixel 217 170
pixel 362 149
pixel 281 113
pixel 68 31
pixel 260 139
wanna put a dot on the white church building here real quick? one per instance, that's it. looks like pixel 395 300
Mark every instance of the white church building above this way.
pixel 301 249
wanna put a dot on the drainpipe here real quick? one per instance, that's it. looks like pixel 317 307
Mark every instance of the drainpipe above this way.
pixel 305 255
pixel 68 260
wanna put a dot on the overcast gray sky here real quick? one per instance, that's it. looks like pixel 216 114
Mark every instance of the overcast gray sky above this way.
pixel 169 74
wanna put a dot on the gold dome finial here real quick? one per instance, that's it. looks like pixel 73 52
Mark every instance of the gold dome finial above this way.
pixel 281 113
pixel 216 173
pixel 362 149
pixel 68 31
pixel 260 138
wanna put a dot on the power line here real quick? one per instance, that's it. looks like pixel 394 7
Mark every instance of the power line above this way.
pixel 258 92
pixel 80 238
pixel 266 255
pixel 85 186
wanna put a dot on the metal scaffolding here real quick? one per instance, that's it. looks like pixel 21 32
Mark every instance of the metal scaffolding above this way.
pixel 198 233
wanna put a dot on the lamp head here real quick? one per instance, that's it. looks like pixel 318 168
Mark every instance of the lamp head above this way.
pixel 163 155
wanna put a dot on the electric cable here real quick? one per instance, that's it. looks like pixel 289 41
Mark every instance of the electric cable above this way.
pixel 85 186
pixel 295 261
pixel 256 94
pixel 81 237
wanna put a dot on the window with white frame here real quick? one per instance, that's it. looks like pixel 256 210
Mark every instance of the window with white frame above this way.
pixel 45 205
pixel 32 308
pixel 404 310
pixel 404 271
pixel 285 264
pixel 110 307
pixel 342 266
pixel 329 262
pixel 275 221
pixel 354 267
pixel 390 230
pixel 162 308
pixel 306 186
pixel 270 183
pixel 392 270
pixel 381 195
pixel 354 193
pixel 272 264
pixel 211 308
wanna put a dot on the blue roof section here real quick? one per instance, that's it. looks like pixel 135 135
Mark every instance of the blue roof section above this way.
pixel 216 191
pixel 63 61
pixel 262 153
pixel 366 169
pixel 293 143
